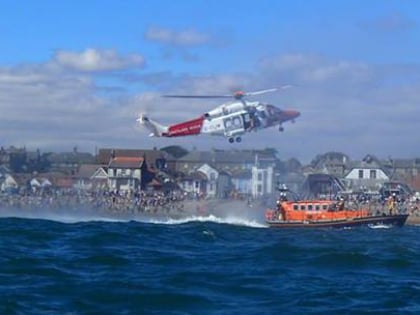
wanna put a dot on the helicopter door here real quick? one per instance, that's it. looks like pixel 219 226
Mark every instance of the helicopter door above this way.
pixel 247 121
pixel 233 125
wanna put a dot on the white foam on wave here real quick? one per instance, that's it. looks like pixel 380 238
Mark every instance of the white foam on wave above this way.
pixel 210 218
pixel 380 226
pixel 73 218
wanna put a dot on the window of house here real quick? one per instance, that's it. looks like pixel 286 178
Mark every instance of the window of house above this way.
pixel 360 173
pixel 259 188
pixel 259 177
pixel 373 174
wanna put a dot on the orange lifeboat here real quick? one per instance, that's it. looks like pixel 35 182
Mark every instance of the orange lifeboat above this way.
pixel 325 213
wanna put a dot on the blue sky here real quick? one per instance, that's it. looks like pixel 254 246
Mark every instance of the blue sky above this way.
pixel 78 73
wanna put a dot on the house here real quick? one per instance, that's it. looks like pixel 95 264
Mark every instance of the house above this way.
pixel 212 175
pixel 262 181
pixel 69 162
pixel 125 173
pixel 195 184
pixel 260 164
pixel 332 163
pixel 366 175
pixel 39 182
pixel 8 183
pixel 155 159
pixel 218 183
pixel 229 161
pixel 90 177
pixel 405 169
pixel 320 185
pixel 242 182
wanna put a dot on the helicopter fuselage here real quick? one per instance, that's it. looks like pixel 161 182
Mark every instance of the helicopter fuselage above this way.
pixel 232 120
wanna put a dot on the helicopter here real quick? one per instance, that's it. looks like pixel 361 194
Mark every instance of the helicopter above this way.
pixel 231 120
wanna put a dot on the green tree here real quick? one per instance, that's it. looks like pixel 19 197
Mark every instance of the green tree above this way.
pixel 175 150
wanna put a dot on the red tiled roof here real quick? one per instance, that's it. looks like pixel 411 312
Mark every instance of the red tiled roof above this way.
pixel 126 162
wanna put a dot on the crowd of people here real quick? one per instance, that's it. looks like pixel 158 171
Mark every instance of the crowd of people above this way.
pixel 391 205
pixel 114 201
pixel 171 203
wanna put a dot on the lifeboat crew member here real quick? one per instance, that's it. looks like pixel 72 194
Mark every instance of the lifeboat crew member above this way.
pixel 340 204
pixel 281 213
pixel 392 204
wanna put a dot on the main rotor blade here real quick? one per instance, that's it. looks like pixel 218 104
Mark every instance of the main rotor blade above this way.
pixel 236 95
pixel 198 96
pixel 269 90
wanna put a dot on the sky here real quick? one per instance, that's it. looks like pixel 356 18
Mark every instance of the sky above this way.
pixel 78 73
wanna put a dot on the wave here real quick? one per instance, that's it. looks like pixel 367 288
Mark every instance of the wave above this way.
pixel 380 226
pixel 73 217
pixel 210 218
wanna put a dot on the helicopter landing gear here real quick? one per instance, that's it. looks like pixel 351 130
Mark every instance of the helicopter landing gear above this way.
pixel 281 128
pixel 237 139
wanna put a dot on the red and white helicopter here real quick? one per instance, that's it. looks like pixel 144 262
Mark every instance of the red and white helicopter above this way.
pixel 231 120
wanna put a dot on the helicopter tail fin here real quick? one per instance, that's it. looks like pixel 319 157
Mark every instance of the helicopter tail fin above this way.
pixel 157 130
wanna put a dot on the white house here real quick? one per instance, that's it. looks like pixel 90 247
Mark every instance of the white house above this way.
pixel 124 173
pixel 212 175
pixel 262 181
pixel 8 183
pixel 367 174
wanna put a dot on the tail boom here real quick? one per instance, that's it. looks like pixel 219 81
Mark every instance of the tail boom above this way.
pixel 156 129
pixel 187 128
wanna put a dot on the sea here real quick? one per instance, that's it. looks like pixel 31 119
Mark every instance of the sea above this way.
pixel 203 265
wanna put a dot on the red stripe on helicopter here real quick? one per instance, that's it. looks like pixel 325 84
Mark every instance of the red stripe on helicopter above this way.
pixel 188 128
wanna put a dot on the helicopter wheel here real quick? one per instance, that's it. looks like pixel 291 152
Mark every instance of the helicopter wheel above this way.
pixel 231 140
pixel 238 139
pixel 281 129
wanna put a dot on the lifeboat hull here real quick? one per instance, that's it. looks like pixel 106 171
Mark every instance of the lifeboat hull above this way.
pixel 389 220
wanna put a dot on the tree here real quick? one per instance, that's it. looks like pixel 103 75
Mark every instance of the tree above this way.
pixel 293 165
pixel 175 150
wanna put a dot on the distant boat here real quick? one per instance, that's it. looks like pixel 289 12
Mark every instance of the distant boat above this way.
pixel 326 213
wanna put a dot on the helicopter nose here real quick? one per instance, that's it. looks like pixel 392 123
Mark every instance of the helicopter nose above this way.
pixel 292 113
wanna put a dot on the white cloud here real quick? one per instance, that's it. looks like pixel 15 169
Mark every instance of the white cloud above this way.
pixel 348 106
pixel 356 108
pixel 314 69
pixel 93 60
pixel 187 37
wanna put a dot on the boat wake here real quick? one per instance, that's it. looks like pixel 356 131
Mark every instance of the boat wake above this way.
pixel 210 218
pixel 379 226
